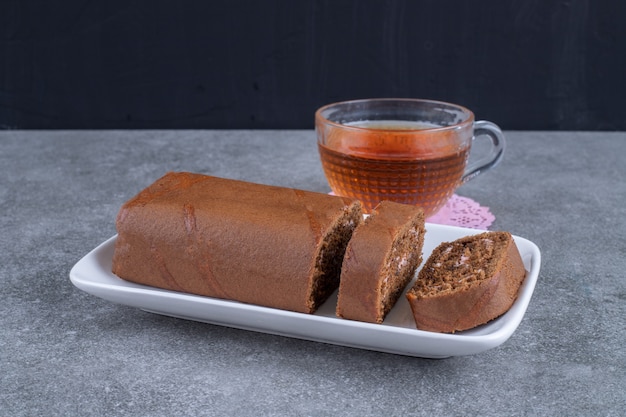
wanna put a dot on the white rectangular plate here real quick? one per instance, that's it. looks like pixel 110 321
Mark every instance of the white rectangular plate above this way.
pixel 397 334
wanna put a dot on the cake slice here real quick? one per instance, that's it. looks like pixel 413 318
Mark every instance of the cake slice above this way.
pixel 271 246
pixel 380 260
pixel 466 283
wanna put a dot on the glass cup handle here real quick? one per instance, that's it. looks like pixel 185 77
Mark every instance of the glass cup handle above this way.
pixel 485 128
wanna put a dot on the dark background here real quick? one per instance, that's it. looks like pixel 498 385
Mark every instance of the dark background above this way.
pixel 524 64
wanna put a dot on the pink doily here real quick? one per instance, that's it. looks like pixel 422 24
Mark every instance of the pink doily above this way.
pixel 464 212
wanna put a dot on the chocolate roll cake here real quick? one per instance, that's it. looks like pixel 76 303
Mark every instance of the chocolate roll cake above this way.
pixel 467 283
pixel 381 259
pixel 258 244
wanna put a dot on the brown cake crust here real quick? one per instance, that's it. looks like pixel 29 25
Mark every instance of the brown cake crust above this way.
pixel 234 240
pixel 443 305
pixel 381 259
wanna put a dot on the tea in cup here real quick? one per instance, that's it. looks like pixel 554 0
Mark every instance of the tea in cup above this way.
pixel 409 151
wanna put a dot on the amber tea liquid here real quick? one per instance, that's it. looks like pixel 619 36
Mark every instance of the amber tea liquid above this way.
pixel 382 162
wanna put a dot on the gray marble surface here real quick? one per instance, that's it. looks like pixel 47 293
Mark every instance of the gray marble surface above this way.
pixel 65 352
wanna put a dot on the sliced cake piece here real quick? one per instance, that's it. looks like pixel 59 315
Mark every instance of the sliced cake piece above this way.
pixel 381 259
pixel 467 283
pixel 271 246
